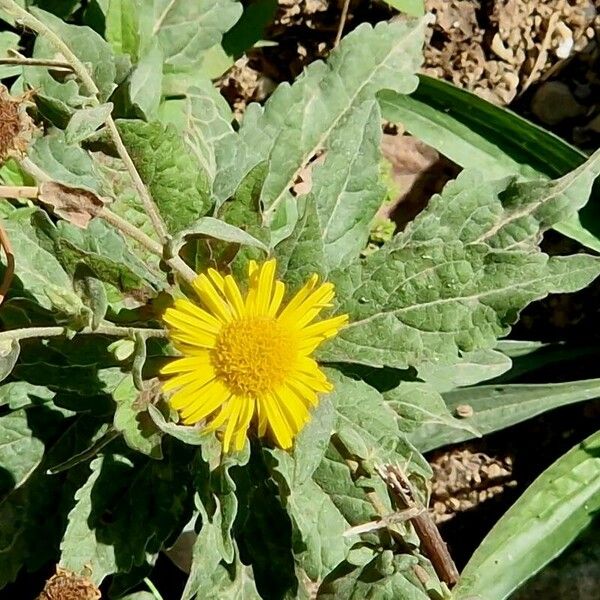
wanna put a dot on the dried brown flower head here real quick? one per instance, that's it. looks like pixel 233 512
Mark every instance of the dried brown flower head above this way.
pixel 16 126
pixel 66 585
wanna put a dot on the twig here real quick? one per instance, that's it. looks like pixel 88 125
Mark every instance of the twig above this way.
pixel 57 65
pixel 28 20
pixel 18 191
pixel 342 24
pixel 27 333
pixel 10 263
pixel 431 540
pixel 387 521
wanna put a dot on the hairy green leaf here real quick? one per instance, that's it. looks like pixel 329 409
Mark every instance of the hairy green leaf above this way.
pixel 554 509
pixel 9 354
pixel 184 29
pixel 85 122
pixel 146 83
pixel 122 27
pixel 9 41
pixel 456 280
pixel 177 185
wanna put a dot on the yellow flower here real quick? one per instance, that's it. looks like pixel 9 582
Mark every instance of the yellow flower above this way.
pixel 249 356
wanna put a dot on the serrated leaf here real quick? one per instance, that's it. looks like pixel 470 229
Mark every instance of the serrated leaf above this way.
pixel 86 121
pixel 40 273
pixel 496 407
pixel 146 83
pixel 65 163
pixel 20 451
pixel 185 29
pixel 189 435
pixel 314 109
pixel 177 185
pixel 89 47
pixel 139 522
pixel 133 420
pixel 386 577
pixel 370 59
pixel 554 509
pixel 456 280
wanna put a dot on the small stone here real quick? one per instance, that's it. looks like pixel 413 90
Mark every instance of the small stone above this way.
pixel 464 411
pixel 553 103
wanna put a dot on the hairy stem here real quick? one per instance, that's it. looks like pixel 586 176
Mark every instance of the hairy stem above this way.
pixel 47 332
pixel 37 62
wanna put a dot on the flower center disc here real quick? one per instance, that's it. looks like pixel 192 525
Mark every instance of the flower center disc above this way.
pixel 253 355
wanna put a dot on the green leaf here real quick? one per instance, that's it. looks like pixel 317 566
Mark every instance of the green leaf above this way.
pixel 419 406
pixel 554 509
pixel 346 194
pixel 20 451
pixel 89 47
pixel 64 162
pixel 454 281
pixel 386 577
pixel 496 407
pixel 415 8
pixel 315 110
pixel 40 273
pixel 9 354
pixel 251 27
pixel 138 522
pixel 177 185
pixel 185 29
pixel 122 27
pixel 133 420
pixel 104 252
pixel 469 369
pixel 85 122
pixel 146 83
pixel 204 117
pixel 573 228
pixel 9 41
pixel 220 230
pixel 20 394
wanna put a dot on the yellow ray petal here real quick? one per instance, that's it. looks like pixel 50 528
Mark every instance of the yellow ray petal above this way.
pixel 189 363
pixel 244 423
pixel 198 338
pixel 292 408
pixel 202 373
pixel 303 391
pixel 207 404
pixel 300 296
pixel 232 291
pixel 185 305
pixel 188 394
pixel 264 293
pixel 232 423
pixel 187 323
pixel 311 306
pixel 277 422
pixel 326 329
pixel 212 299
pixel 223 415
pixel 278 294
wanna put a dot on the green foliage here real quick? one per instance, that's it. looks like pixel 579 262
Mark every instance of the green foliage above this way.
pixel 96 475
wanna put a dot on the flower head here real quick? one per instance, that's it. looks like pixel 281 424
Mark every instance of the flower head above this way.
pixel 247 356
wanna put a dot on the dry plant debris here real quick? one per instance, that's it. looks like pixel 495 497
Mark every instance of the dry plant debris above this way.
pixel 463 479
pixel 499 52
pixel 65 585
pixel 16 126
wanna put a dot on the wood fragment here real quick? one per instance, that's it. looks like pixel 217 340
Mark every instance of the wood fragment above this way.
pixel 432 544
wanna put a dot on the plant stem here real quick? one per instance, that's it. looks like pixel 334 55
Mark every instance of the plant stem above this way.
pixel 18 191
pixel 37 62
pixel 153 589
pixel 28 20
pixel 46 332
pixel 342 23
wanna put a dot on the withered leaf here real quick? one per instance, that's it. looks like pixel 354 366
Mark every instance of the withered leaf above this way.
pixel 74 204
